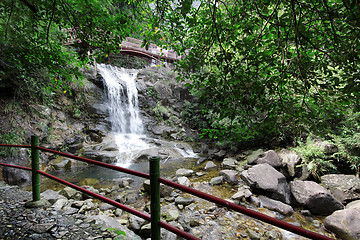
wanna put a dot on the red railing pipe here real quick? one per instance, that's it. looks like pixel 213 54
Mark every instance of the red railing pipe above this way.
pixel 14 145
pixel 98 196
pixel 119 205
pixel 248 212
pixel 15 166
pixel 106 165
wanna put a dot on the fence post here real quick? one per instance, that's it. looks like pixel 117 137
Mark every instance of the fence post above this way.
pixel 155 197
pixel 35 168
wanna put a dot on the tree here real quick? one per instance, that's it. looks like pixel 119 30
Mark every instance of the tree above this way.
pixel 33 35
pixel 267 67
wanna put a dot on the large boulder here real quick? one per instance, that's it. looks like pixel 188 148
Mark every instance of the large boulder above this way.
pixel 345 188
pixel 230 176
pixel 315 197
pixel 266 178
pixel 344 223
pixel 270 157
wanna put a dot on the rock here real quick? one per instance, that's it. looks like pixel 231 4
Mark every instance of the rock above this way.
pixel 251 159
pixel 135 223
pixel 145 230
pixel 71 193
pixel 171 215
pixel 60 203
pixel 266 178
pixel 278 206
pixel 51 196
pixel 354 204
pixel 242 194
pixel 124 182
pixel 165 190
pixel 315 197
pixel 290 159
pixel 302 173
pixel 102 156
pixel 253 235
pixel 345 188
pixel 344 223
pixel 217 180
pixel 109 222
pixel 42 228
pixel 210 165
pixel 183 201
pixel 37 204
pixel 91 189
pixel 228 163
pixel 270 157
pixel 184 172
pixel 328 147
pixel 184 181
pixel 230 176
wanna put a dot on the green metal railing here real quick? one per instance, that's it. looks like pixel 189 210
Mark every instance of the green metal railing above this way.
pixel 155 181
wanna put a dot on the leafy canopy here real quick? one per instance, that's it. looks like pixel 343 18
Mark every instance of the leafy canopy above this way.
pixel 266 67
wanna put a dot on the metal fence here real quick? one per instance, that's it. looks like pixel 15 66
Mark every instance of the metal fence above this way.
pixel 155 181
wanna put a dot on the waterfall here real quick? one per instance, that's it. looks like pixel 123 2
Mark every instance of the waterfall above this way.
pixel 124 113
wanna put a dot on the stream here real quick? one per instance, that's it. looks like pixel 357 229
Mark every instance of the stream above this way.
pixel 131 141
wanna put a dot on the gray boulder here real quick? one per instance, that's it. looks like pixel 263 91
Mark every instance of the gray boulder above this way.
pixel 345 188
pixel 184 181
pixel 228 163
pixel 217 180
pixel 344 223
pixel 278 206
pixel 230 176
pixel 210 165
pixel 51 195
pixel 270 157
pixel 266 178
pixel 354 204
pixel 315 197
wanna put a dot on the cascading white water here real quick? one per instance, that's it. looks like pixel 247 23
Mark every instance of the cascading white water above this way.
pixel 123 109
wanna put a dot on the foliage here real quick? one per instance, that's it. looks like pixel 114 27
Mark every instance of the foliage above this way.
pixel 348 142
pixel 314 158
pixel 268 68
pixel 8 138
pixel 33 56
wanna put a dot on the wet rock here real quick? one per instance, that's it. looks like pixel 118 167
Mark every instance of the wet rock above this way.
pixel 345 188
pixel 102 156
pixel 266 178
pixel 344 223
pixel 315 197
pixel 230 176
pixel 210 165
pixel 184 172
pixel 278 206
pixel 228 163
pixel 270 157
pixel 254 156
pixel 60 203
pixel 217 180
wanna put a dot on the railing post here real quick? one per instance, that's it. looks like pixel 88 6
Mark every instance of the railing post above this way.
pixel 155 197
pixel 35 168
